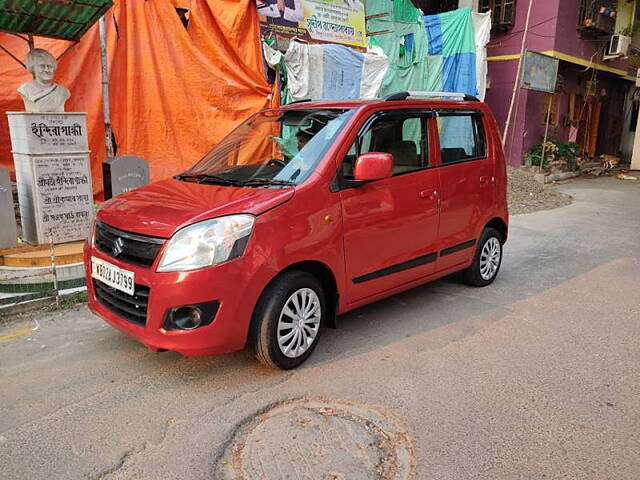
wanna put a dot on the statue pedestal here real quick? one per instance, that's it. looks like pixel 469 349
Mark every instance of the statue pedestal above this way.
pixel 51 158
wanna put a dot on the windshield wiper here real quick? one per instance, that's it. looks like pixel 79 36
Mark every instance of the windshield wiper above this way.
pixel 204 178
pixel 258 182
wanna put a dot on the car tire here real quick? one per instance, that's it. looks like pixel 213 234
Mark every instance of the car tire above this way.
pixel 486 261
pixel 288 320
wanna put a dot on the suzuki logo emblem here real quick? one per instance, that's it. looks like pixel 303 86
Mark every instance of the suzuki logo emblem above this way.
pixel 118 247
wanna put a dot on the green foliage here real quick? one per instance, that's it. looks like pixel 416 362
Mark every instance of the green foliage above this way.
pixel 67 301
pixel 555 150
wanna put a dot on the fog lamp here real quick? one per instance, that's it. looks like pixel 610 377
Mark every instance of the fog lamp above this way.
pixel 187 318
pixel 190 317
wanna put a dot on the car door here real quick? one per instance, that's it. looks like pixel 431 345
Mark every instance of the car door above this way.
pixel 390 225
pixel 467 177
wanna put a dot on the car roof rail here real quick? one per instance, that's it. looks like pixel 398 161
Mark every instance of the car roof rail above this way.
pixel 416 94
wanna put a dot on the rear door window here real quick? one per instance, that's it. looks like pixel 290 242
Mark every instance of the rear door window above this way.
pixel 462 136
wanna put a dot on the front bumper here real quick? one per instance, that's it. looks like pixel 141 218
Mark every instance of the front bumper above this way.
pixel 235 285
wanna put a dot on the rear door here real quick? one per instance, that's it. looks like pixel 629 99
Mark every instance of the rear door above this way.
pixel 467 178
pixel 391 225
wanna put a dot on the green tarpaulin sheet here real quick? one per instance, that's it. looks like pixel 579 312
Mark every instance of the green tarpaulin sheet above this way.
pixel 64 19
pixel 406 46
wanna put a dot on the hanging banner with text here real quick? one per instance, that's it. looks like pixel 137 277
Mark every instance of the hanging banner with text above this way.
pixel 314 21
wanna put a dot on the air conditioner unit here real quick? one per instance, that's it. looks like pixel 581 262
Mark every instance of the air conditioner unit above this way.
pixel 618 46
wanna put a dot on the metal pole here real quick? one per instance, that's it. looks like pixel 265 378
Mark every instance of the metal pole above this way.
pixel 546 132
pixel 12 56
pixel 105 88
pixel 517 81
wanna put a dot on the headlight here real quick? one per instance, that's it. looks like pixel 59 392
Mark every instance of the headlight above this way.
pixel 207 243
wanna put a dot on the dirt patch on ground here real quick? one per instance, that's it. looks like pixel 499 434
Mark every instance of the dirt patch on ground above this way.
pixel 525 195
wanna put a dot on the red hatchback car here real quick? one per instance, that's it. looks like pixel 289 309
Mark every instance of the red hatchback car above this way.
pixel 298 215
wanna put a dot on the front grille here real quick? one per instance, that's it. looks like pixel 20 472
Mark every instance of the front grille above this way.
pixel 130 307
pixel 128 247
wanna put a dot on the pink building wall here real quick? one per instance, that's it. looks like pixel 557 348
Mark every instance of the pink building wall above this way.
pixel 552 27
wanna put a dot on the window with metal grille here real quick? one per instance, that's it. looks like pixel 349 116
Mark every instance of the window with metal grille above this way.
pixel 503 12
pixel 597 17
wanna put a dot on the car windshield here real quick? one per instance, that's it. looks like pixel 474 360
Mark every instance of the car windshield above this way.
pixel 273 148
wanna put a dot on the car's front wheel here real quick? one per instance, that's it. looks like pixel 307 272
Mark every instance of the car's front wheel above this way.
pixel 286 324
pixel 486 261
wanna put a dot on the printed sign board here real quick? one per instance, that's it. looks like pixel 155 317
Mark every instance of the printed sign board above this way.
pixel 539 72
pixel 314 21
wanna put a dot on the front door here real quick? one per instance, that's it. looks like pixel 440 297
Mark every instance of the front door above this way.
pixel 391 225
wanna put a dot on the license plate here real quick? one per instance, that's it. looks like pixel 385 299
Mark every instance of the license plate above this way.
pixel 111 275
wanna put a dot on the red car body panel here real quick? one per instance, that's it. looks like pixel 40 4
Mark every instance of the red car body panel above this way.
pixel 160 209
pixel 353 233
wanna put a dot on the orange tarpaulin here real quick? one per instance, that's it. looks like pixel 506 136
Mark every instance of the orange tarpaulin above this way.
pixel 175 92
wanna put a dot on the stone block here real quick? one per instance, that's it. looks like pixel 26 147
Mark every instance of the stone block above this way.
pixel 52 175
pixel 123 174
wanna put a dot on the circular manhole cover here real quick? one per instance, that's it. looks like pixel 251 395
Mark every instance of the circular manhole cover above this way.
pixel 318 440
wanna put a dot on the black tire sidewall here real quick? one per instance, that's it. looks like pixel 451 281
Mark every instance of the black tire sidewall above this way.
pixel 472 274
pixel 268 315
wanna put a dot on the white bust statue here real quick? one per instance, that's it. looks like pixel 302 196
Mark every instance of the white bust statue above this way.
pixel 42 95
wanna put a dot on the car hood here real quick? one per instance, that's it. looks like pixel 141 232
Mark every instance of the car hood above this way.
pixel 162 208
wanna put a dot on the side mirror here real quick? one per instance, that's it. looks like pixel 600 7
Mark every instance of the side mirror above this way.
pixel 373 166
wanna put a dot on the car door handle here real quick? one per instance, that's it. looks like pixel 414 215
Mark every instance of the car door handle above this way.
pixel 429 194
pixel 484 179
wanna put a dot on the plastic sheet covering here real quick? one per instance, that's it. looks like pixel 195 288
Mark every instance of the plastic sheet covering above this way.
pixel 482 26
pixel 342 72
pixel 432 53
pixel 452 52
pixel 175 92
pixel 404 11
pixel 333 72
pixel 405 46
pixel 56 19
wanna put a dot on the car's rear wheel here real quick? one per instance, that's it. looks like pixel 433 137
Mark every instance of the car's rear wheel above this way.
pixel 486 261
pixel 287 321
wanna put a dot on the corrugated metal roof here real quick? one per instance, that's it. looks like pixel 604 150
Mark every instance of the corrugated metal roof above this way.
pixel 65 19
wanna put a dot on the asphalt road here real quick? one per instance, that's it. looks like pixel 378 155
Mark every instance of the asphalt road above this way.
pixel 536 376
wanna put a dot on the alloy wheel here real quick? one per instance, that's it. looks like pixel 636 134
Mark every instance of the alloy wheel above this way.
pixel 299 322
pixel 490 258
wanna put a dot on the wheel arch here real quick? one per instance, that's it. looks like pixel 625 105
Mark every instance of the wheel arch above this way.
pixel 326 277
pixel 328 280
pixel 500 225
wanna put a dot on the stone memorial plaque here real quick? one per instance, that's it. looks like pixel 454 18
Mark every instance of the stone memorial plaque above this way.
pixel 64 200
pixel 43 133
pixel 122 174
pixel 8 230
